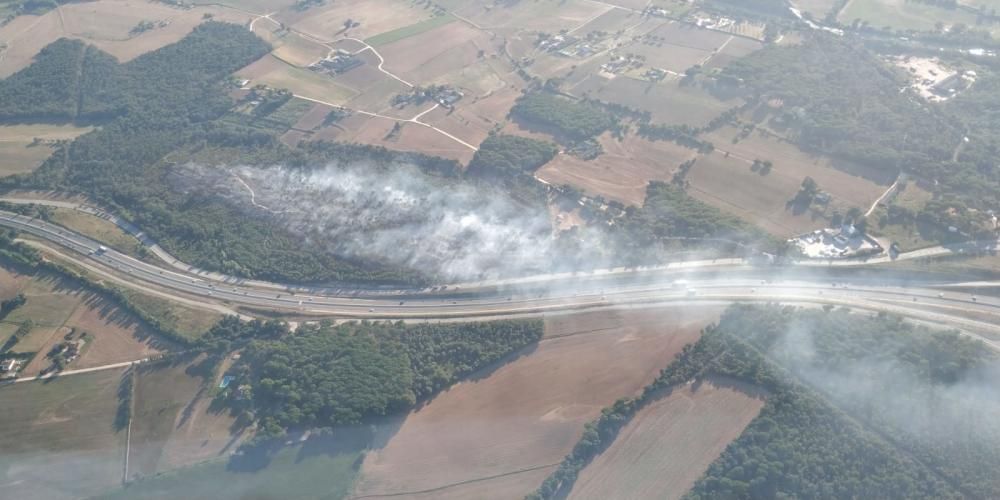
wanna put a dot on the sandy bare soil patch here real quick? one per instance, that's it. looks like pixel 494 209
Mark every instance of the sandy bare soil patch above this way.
pixel 107 24
pixel 622 172
pixel 670 443
pixel 529 412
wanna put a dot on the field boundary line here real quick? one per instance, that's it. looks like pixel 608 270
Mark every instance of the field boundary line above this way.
pixel 134 374
pixel 885 195
pixel 460 483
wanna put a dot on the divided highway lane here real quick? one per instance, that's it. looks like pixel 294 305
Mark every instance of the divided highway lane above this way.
pixel 560 292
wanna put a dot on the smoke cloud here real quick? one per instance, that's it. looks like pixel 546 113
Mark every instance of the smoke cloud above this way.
pixel 399 215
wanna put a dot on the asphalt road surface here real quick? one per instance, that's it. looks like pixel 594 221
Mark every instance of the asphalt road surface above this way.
pixel 721 281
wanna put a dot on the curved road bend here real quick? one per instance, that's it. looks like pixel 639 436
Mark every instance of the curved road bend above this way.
pixel 979 316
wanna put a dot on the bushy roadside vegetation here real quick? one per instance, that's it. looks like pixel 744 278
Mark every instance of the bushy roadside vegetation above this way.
pixel 799 446
pixel 574 119
pixel 324 375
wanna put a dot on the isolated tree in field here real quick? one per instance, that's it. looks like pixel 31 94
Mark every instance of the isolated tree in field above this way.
pixel 810 187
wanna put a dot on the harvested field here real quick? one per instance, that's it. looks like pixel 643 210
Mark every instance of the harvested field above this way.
pixel 57 307
pixel 503 420
pixel 297 51
pixel 410 137
pixel 260 6
pixel 25 36
pixel 408 31
pixel 544 16
pixel 21 158
pixel 622 172
pixel 107 24
pixel 610 22
pixel 326 22
pixel 686 35
pixel 472 131
pixel 671 442
pixel 19 153
pixel 173 425
pixel 668 102
pixel 116 336
pixel 735 49
pixel 58 439
pixel 728 182
pixel 276 73
pixel 407 58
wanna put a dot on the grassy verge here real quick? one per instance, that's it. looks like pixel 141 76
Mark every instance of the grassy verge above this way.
pixel 96 228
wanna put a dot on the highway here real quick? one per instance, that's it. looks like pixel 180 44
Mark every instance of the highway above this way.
pixel 721 281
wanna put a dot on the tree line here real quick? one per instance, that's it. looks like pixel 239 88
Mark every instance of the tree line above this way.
pixel 324 375
pixel 799 446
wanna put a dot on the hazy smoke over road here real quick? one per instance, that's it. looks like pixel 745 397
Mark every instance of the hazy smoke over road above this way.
pixel 399 215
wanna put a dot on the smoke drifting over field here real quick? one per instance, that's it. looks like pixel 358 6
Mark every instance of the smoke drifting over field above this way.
pixel 399 216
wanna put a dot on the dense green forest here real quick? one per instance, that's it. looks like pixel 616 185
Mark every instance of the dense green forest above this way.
pixel 573 119
pixel 801 446
pixel 164 102
pixel 510 155
pixel 324 375
pixel 927 392
pixel 839 99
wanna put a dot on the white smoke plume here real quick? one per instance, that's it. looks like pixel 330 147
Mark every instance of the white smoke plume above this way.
pixel 399 215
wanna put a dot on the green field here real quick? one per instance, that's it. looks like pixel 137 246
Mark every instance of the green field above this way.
pixel 57 437
pixel 320 468
pixel 408 31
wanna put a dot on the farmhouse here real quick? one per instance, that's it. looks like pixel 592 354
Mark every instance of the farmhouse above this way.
pixel 339 63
